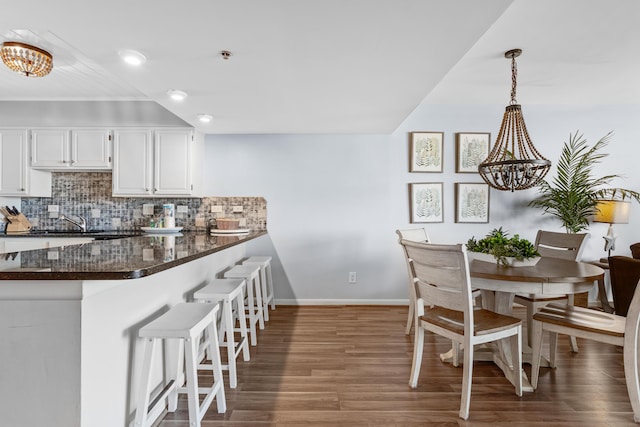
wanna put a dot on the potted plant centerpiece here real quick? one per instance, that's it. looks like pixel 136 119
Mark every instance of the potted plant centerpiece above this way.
pixel 498 247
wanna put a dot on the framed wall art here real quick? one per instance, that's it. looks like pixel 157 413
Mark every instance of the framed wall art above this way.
pixel 425 151
pixel 472 202
pixel 425 200
pixel 471 149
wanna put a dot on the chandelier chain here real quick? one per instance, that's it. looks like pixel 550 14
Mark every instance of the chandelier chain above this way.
pixel 514 77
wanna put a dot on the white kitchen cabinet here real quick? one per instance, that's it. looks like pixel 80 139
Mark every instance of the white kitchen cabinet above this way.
pixel 75 149
pixel 155 163
pixel 17 178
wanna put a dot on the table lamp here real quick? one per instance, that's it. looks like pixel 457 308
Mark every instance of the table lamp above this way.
pixel 611 212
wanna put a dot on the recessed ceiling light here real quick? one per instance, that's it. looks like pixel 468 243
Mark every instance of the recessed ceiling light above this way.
pixel 205 118
pixel 132 57
pixel 177 95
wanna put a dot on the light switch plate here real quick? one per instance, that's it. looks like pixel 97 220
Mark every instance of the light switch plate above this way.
pixel 95 213
pixel 54 208
pixel 237 209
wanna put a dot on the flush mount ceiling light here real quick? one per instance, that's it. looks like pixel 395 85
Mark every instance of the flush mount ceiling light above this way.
pixel 132 57
pixel 225 54
pixel 205 118
pixel 25 59
pixel 513 163
pixel 177 95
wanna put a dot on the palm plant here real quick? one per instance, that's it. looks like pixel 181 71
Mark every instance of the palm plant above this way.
pixel 573 194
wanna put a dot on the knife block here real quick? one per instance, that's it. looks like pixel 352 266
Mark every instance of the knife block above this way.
pixel 17 224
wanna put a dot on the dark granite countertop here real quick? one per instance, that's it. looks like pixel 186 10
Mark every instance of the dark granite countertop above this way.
pixel 121 258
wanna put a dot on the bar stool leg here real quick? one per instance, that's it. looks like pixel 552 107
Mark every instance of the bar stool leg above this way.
pixel 217 370
pixel 246 356
pixel 192 380
pixel 270 295
pixel 259 304
pixel 145 383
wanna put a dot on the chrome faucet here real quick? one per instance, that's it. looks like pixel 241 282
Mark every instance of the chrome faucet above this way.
pixel 81 223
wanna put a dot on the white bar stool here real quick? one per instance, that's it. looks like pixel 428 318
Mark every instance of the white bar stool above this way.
pixel 266 280
pixel 185 322
pixel 250 273
pixel 230 292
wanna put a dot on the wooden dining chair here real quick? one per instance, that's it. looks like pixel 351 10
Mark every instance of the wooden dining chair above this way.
pixel 414 235
pixel 567 246
pixel 624 273
pixel 594 325
pixel 442 279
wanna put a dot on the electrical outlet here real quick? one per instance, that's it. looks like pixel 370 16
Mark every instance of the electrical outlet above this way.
pixel 216 209
pixel 95 213
pixel 147 209
pixel 353 277
pixel 238 209
pixel 182 209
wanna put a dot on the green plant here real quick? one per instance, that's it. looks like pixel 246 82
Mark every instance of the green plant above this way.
pixel 573 194
pixel 500 245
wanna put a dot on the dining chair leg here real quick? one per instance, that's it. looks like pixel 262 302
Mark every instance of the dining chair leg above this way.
pixel 516 356
pixel 418 344
pixel 572 340
pixel 455 357
pixel 553 348
pixel 467 375
pixel 407 330
pixel 537 352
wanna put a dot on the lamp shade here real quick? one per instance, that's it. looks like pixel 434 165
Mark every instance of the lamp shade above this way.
pixel 612 211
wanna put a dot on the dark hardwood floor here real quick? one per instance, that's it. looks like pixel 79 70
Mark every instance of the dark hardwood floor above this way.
pixel 335 366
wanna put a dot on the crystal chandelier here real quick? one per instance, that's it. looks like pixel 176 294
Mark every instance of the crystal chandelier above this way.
pixel 513 163
pixel 25 59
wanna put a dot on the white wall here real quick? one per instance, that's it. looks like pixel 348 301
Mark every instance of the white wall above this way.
pixel 334 201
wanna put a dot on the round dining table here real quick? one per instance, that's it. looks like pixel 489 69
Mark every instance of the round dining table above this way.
pixel 549 276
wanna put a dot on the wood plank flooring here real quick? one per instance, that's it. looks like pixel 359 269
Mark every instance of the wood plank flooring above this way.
pixel 334 366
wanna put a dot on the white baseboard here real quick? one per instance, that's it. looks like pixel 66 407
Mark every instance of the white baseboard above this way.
pixel 342 302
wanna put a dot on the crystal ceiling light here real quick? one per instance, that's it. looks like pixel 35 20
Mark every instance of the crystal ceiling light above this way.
pixel 132 57
pixel 25 59
pixel 513 163
pixel 177 95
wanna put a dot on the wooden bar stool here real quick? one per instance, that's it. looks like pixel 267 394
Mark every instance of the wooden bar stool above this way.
pixel 253 306
pixel 231 293
pixel 184 322
pixel 266 280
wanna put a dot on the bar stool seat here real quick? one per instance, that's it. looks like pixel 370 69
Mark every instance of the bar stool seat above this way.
pixel 253 306
pixel 184 322
pixel 266 281
pixel 231 293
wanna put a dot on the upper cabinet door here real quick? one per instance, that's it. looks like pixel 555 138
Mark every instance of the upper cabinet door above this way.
pixel 132 162
pixel 50 148
pixel 13 162
pixel 91 149
pixel 77 149
pixel 172 165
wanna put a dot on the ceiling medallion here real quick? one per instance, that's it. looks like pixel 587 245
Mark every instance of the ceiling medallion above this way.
pixel 513 163
pixel 25 59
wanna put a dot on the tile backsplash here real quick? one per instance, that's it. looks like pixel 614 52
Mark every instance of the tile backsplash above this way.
pixel 89 194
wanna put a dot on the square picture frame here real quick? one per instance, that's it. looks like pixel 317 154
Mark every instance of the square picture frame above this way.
pixel 471 149
pixel 426 151
pixel 472 202
pixel 426 202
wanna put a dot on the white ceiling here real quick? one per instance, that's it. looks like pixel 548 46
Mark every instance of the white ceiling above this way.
pixel 330 66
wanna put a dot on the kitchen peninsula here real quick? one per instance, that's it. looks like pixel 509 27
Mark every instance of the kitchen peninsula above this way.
pixel 69 318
